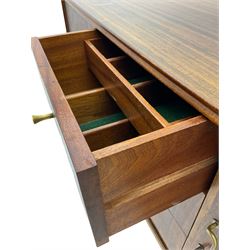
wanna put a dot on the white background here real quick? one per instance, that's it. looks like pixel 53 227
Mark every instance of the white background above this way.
pixel 40 207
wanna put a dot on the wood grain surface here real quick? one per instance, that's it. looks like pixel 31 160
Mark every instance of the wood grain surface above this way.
pixel 118 181
pixel 151 199
pixel 209 211
pixel 81 155
pixel 143 117
pixel 84 164
pixel 175 39
pixel 174 224
pixel 91 105
pixel 154 155
pixel 67 57
pixel 110 134
pixel 149 163
pixel 73 21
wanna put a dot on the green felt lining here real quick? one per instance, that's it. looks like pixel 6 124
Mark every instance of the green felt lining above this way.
pixel 175 112
pixel 102 121
pixel 171 111
pixel 140 79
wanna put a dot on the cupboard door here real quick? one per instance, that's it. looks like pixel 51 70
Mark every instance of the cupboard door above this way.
pixel 205 233
pixel 174 224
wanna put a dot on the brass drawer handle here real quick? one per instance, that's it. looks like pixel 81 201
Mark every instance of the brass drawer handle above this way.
pixel 39 118
pixel 210 229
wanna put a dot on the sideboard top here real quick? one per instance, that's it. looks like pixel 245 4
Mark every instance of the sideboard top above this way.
pixel 177 37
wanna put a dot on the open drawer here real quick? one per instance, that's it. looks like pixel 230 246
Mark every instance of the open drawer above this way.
pixel 136 147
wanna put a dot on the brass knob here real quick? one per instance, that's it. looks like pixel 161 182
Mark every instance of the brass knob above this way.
pixel 39 118
pixel 210 229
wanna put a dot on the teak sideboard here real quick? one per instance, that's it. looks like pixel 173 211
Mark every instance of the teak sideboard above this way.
pixel 133 85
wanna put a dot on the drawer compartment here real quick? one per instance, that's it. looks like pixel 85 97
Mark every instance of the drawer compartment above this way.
pixel 143 116
pixel 166 102
pixel 136 148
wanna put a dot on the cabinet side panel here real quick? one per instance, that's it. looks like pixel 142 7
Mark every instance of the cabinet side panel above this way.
pixel 74 21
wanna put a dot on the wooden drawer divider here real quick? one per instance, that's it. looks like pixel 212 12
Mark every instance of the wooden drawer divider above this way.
pixel 124 177
pixel 142 115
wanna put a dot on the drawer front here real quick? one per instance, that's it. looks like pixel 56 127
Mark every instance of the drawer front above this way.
pixel 130 139
pixel 205 231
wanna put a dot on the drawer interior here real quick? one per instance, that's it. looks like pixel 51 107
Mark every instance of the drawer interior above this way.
pixel 131 70
pixel 167 103
pixel 67 57
pixel 146 141
pixel 110 134
pixel 107 48
pixel 154 94
pixel 96 110
pixel 100 119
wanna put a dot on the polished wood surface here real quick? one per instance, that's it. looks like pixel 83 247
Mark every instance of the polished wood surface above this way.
pixel 173 225
pixel 209 211
pixel 74 21
pixel 110 134
pixel 151 199
pixel 91 105
pixel 177 41
pixel 117 181
pixel 43 49
pixel 151 160
pixel 159 152
pixel 142 116
pixel 47 55
pixel 185 212
pixel 67 57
